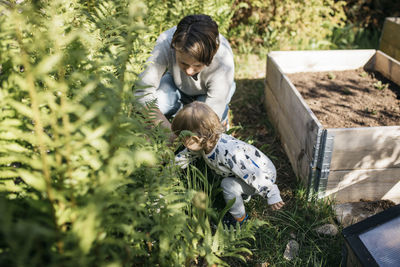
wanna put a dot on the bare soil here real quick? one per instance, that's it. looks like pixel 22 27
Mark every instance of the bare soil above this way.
pixel 351 98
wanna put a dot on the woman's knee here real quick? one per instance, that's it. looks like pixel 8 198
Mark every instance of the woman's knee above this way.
pixel 168 95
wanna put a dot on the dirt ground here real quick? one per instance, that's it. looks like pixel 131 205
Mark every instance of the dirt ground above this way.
pixel 249 122
pixel 352 98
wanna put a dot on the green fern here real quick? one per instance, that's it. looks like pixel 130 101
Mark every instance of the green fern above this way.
pixel 84 179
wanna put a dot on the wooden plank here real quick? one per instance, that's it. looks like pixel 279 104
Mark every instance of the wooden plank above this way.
pixel 388 66
pixel 292 147
pixel 390 39
pixel 389 49
pixel 366 148
pixel 294 120
pixel 373 184
pixel 304 123
pixel 274 74
pixel 299 160
pixel 299 115
pixel 302 120
pixel 321 60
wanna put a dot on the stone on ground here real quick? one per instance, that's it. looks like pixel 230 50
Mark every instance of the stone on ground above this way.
pixel 327 229
pixel 354 212
pixel 264 264
pixel 292 250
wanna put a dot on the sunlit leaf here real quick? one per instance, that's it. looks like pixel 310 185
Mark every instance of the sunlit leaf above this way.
pixel 48 64
pixel 34 179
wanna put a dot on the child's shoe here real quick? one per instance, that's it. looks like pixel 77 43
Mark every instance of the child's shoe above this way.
pixel 244 219
pixel 228 220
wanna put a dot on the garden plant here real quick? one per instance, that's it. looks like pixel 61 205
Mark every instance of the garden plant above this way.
pixel 85 180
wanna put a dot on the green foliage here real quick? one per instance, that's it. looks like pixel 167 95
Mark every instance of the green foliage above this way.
pixel 298 221
pixel 354 37
pixel 331 76
pixel 261 26
pixel 364 23
pixel 380 85
pixel 162 15
pixel 84 180
pixel 370 15
pixel 220 244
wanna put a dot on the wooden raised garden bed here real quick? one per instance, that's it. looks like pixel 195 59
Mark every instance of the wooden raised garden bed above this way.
pixel 348 164
pixel 390 39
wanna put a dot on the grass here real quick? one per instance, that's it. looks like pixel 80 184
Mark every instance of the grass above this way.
pixel 300 216
pixel 298 219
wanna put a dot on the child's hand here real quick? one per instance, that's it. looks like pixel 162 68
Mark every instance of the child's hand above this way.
pixel 277 205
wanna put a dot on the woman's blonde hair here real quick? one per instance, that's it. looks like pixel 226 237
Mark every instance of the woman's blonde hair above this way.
pixel 201 120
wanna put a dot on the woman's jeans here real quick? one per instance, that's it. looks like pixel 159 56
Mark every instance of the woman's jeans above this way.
pixel 171 99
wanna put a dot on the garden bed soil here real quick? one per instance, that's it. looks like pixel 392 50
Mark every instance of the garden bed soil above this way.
pixel 350 98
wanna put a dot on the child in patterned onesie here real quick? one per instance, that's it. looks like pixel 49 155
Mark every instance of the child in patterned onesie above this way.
pixel 246 169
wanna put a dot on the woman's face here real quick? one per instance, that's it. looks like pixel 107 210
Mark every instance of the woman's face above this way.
pixel 188 64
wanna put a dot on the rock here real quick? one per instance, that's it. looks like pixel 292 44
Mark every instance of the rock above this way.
pixel 353 212
pixel 327 229
pixel 292 250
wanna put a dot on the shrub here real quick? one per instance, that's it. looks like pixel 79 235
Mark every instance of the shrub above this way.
pixel 370 14
pixel 84 180
pixel 261 26
pixel 364 23
pixel 162 15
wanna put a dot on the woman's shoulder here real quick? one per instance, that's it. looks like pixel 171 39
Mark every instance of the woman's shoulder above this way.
pixel 167 35
pixel 224 56
pixel 224 46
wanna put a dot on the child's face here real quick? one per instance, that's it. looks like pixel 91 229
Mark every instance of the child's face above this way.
pixel 193 143
pixel 188 64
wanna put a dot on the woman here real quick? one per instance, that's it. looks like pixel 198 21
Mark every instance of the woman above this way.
pixel 189 62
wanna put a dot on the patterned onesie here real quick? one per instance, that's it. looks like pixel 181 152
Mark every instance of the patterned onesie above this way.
pixel 247 171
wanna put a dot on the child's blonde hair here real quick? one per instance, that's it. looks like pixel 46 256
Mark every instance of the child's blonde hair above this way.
pixel 201 120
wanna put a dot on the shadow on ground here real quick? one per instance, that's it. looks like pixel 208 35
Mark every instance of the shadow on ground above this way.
pixel 250 123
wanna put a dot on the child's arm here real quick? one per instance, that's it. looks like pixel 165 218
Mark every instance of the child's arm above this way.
pixel 270 191
pixel 185 157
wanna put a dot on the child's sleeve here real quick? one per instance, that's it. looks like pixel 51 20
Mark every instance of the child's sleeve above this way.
pixel 271 192
pixel 185 157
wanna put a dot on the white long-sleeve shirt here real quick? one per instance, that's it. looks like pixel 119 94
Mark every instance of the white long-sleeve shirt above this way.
pixel 233 157
pixel 214 81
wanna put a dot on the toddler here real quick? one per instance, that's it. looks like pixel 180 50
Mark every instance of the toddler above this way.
pixel 246 170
